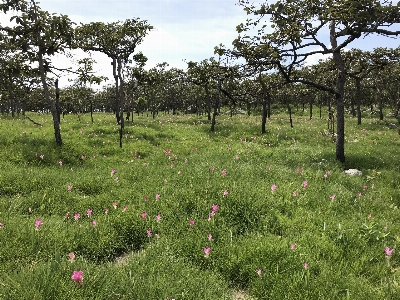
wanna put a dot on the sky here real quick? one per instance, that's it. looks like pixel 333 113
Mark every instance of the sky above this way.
pixel 184 29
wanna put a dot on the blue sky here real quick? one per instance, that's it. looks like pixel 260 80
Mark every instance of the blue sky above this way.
pixel 185 29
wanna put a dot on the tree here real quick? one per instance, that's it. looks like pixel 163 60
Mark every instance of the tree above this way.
pixel 297 32
pixel 118 41
pixel 40 35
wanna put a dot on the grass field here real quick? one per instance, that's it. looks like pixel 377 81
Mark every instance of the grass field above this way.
pixel 183 213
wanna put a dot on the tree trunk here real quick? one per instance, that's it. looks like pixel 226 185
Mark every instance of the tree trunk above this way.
pixel 208 103
pixel 290 115
pixel 358 96
pixel 340 83
pixel 311 105
pixel 50 101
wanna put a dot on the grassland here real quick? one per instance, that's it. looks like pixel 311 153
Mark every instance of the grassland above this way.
pixel 182 213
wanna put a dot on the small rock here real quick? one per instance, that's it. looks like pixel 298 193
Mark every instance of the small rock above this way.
pixel 352 172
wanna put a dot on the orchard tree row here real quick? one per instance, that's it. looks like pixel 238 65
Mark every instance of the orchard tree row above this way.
pixel 267 64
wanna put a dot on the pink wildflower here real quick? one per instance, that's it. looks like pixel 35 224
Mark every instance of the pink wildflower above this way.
pixel 206 251
pixel 259 272
pixel 149 232
pixel 325 176
pixel 294 193
pixel 305 184
pixel 125 207
pixel 388 251
pixel 77 277
pixel 273 187
pixel 215 207
pixel 38 223
pixel 60 163
pixel 305 265
pixel 106 211
pixel 191 222
pixel 1 225
pixel 115 205
pixel 77 216
pixel 71 256
pixel 67 214
pixel 112 172
pixel 89 212
pixel 223 172
pixel 94 223
pixel 293 246
pixel 158 217
pixel 158 196
pixel 209 236
pixel 144 215
pixel 226 193
pixel 69 187
pixel 333 197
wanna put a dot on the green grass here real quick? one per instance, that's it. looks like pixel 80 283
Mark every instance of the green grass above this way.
pixel 129 256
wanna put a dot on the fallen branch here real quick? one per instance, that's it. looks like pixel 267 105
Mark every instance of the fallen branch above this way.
pixel 33 121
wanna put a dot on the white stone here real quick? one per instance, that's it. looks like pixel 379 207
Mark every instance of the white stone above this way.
pixel 352 172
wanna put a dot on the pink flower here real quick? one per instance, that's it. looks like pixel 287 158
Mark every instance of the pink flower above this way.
pixel 106 211
pixel 226 193
pixel 94 223
pixel 206 251
pixel 116 179
pixel 294 193
pixel 333 197
pixel 273 187
pixel 209 236
pixel 236 157
pixel 149 232
pixel 41 156
pixel 209 218
pixel 365 187
pixel 1 225
pixel 212 169
pixel 158 196
pixel 158 217
pixel 165 180
pixel 146 198
pixel 215 207
pixel 71 256
pixel 369 216
pixel 144 215
pixel 293 246
pixel 77 277
pixel 325 176
pixel 38 223
pixel 359 194
pixel 125 207
pixel 60 162
pixel 67 214
pixel 388 251
pixel 372 186
pixel 305 184
pixel 89 212
pixel 305 265
pixel 223 172
pixel 115 205
pixel 259 272
pixel 191 222
pixel 77 216
pixel 112 172
pixel 69 187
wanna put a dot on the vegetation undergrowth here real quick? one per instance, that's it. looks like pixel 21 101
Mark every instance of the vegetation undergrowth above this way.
pixel 180 212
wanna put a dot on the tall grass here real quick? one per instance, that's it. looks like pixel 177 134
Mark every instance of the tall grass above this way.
pixel 182 213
